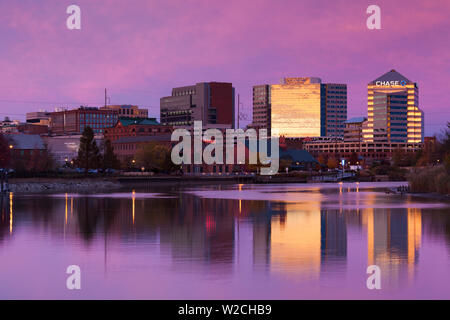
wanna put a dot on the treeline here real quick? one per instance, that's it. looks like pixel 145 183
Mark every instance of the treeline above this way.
pixel 435 178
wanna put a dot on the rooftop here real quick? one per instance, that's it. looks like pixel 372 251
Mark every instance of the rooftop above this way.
pixel 356 120
pixel 391 76
pixel 25 141
pixel 127 121
pixel 297 155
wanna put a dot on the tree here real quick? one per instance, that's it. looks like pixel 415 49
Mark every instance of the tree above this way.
pixel 399 158
pixel 110 160
pixel 5 152
pixel 332 163
pixel 155 157
pixel 354 159
pixel 321 159
pixel 88 154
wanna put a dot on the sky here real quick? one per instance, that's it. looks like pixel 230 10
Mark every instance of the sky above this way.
pixel 140 49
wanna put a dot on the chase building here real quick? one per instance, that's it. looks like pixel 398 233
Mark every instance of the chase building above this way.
pixel 393 111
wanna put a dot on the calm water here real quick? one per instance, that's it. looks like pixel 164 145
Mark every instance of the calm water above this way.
pixel 230 242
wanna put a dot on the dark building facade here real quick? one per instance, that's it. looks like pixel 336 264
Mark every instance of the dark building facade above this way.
pixel 261 106
pixel 209 102
pixel 333 109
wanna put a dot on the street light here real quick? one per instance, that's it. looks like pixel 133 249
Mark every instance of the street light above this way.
pixel 11 146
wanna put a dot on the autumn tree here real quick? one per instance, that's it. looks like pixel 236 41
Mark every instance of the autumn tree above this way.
pixel 88 154
pixel 155 157
pixel 332 163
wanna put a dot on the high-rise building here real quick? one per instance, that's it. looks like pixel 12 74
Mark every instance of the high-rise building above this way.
pixel 393 110
pixel 333 109
pixel 209 102
pixel 129 111
pixel 261 106
pixel 75 121
pixel 301 107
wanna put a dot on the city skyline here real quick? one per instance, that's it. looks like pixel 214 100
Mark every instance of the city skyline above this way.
pixel 139 52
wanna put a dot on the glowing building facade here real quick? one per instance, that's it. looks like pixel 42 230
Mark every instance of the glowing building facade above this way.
pixel 301 107
pixel 393 110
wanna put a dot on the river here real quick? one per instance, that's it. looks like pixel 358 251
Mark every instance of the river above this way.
pixel 281 241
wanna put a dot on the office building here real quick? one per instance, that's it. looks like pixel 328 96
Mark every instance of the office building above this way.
pixel 353 131
pixel 301 107
pixel 75 121
pixel 132 127
pixel 333 109
pixel 128 111
pixel 38 118
pixel 393 110
pixel 209 102
pixel 261 106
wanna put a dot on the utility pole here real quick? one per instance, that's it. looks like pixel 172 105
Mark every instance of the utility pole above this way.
pixel 239 112
pixel 106 97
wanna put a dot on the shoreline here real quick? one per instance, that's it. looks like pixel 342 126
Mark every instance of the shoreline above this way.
pixel 86 185
pixel 92 184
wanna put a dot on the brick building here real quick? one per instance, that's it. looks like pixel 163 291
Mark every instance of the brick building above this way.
pixel 132 127
pixel 126 110
pixel 209 102
pixel 75 121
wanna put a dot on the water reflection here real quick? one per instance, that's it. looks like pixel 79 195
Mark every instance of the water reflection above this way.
pixel 300 241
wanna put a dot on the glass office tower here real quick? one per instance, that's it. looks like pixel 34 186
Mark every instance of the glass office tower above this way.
pixel 393 110
pixel 295 107
pixel 301 107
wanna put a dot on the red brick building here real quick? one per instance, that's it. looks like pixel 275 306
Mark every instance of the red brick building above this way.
pixel 133 127
pixel 75 121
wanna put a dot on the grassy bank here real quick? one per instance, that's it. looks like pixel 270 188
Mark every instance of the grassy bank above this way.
pixel 434 179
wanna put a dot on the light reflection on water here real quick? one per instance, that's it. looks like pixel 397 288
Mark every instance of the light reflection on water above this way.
pixel 237 242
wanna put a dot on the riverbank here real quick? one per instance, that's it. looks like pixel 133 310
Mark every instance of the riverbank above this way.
pixel 62 185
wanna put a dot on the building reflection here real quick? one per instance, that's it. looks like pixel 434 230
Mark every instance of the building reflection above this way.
pixel 333 244
pixel 393 242
pixel 296 240
pixel 303 240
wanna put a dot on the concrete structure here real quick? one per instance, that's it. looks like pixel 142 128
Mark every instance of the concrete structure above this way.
pixel 301 107
pixel 353 131
pixel 9 126
pixel 209 102
pixel 261 107
pixel 393 110
pixel 333 109
pixel 129 127
pixel 38 118
pixel 75 121
pixel 370 151
pixel 129 111
pixel 15 126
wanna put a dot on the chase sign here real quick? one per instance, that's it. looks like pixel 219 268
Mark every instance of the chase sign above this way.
pixel 391 83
